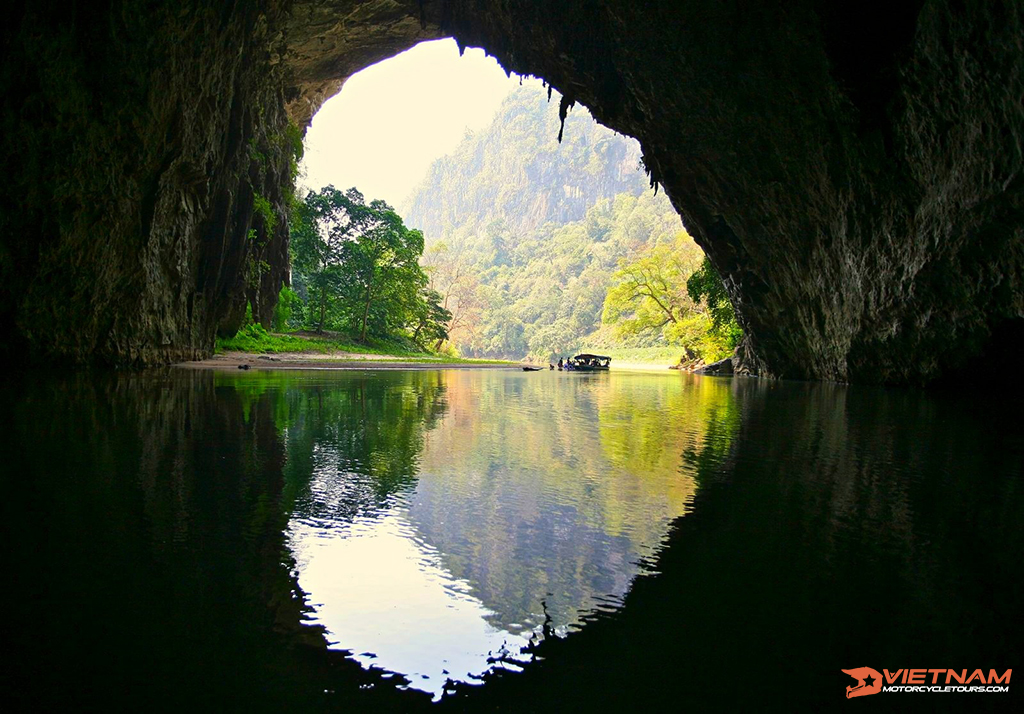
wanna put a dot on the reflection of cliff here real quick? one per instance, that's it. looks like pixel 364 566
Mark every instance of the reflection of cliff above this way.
pixel 143 517
pixel 553 487
pixel 841 527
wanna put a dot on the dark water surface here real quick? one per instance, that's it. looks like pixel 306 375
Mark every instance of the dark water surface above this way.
pixel 359 541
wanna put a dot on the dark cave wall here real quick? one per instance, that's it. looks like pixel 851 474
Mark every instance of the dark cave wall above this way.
pixel 855 176
pixel 134 140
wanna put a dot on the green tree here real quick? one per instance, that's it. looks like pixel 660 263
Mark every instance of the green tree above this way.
pixel 323 223
pixel 705 284
pixel 382 265
pixel 360 265
pixel 672 295
pixel 431 320
pixel 288 304
pixel 650 291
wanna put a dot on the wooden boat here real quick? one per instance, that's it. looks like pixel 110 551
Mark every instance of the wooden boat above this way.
pixel 527 368
pixel 589 363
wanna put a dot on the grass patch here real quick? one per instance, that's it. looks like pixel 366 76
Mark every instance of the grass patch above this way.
pixel 254 339
pixel 661 355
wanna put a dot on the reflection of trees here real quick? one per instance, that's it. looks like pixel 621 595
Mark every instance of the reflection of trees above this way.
pixel 355 440
pixel 144 518
pixel 647 425
pixel 532 486
pixel 840 525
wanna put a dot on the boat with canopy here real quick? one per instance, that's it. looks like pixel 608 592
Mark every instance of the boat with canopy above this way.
pixel 586 362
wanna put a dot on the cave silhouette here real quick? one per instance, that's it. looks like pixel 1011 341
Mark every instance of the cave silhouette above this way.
pixel 854 177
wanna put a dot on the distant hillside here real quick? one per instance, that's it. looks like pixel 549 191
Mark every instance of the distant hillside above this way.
pixel 525 235
pixel 515 171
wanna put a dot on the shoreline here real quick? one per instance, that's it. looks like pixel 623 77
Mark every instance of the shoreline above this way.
pixel 241 361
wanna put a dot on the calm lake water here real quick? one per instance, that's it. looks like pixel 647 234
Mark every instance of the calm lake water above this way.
pixel 318 541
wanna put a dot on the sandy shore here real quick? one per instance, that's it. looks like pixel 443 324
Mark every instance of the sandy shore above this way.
pixel 337 360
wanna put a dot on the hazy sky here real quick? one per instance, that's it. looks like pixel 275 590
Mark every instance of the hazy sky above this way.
pixel 390 121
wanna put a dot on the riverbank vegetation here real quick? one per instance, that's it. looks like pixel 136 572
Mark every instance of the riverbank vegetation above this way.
pixel 333 347
pixel 256 339
pixel 357 266
pixel 357 284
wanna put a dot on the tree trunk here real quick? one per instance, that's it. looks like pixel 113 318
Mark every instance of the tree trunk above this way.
pixel 323 309
pixel 366 313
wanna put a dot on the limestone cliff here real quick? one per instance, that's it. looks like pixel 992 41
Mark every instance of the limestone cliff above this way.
pixel 854 176
pixel 136 139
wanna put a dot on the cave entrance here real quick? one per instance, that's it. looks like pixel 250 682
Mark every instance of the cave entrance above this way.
pixel 525 218
pixel 391 120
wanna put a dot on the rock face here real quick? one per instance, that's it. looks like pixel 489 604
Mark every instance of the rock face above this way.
pixel 138 140
pixel 855 177
pixel 720 368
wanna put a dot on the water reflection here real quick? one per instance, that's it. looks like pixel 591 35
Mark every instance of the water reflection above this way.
pixel 142 518
pixel 528 497
pixel 452 516
pixel 841 527
pixel 191 541
pixel 387 596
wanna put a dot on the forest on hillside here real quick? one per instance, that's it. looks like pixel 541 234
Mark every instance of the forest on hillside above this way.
pixel 516 171
pixel 539 248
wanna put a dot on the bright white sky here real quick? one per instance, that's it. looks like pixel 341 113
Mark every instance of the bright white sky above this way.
pixel 390 121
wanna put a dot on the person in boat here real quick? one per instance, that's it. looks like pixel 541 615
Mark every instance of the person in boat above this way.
pixel 559 363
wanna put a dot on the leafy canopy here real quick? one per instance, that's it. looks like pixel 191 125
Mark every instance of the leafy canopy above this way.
pixel 360 268
pixel 672 293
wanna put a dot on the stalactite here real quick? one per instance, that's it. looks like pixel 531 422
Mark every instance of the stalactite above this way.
pixel 563 110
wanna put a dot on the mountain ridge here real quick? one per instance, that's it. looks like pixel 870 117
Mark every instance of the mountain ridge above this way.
pixel 515 170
